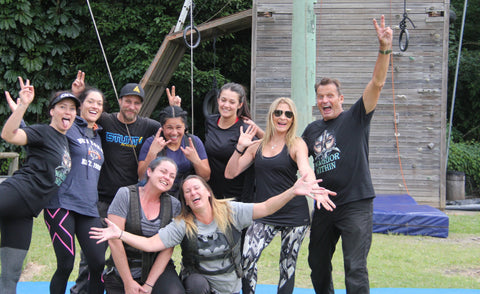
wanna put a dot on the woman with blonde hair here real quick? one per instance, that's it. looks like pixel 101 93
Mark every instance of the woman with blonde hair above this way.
pixel 208 230
pixel 277 158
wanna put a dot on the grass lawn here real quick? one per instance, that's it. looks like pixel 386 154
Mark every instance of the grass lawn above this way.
pixel 395 261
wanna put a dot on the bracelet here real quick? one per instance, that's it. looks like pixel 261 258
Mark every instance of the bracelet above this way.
pixel 385 52
pixel 148 285
pixel 241 152
pixel 121 234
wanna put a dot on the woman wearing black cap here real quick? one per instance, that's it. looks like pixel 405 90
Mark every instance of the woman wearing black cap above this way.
pixel 30 188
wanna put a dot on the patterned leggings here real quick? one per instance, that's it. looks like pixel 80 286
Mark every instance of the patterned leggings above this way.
pixel 63 226
pixel 257 238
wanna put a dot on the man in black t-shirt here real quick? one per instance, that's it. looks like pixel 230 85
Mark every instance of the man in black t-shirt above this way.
pixel 123 135
pixel 338 144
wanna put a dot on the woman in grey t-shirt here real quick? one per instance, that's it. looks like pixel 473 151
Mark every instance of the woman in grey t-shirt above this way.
pixel 210 223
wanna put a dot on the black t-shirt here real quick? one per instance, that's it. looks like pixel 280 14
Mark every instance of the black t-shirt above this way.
pixel 339 148
pixel 121 149
pixel 47 164
pixel 273 176
pixel 220 145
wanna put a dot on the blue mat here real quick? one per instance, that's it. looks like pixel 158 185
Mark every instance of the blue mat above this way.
pixel 42 288
pixel 400 214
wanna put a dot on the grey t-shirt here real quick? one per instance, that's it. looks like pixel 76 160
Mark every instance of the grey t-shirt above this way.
pixel 174 233
pixel 120 206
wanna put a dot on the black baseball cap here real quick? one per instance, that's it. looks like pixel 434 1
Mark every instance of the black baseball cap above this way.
pixel 63 96
pixel 132 89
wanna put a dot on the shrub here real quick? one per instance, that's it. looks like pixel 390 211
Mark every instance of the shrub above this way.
pixel 465 157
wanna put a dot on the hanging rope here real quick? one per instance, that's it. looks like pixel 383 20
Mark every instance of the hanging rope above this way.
pixel 110 75
pixel 452 105
pixel 395 120
pixel 403 27
pixel 191 63
pixel 103 51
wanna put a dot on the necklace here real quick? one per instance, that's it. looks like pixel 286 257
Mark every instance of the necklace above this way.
pixel 273 146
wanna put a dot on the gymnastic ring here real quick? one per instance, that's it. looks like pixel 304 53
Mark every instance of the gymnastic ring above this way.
pixel 210 103
pixel 403 47
pixel 185 36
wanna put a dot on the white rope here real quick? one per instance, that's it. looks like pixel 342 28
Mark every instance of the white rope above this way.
pixel 103 51
pixel 111 77
pixel 191 62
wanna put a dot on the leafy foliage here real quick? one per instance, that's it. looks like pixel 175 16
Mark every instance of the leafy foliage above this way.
pixel 465 157
pixel 49 41
pixel 467 104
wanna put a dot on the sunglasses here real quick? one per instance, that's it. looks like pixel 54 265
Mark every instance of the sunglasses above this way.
pixel 278 113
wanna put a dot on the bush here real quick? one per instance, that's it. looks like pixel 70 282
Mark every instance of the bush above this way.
pixel 465 157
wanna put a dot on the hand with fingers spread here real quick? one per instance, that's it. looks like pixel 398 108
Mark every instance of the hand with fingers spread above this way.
pixel 112 231
pixel 79 84
pixel 246 138
pixel 173 100
pixel 321 197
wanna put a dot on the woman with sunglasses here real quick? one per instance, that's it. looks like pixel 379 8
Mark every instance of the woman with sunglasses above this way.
pixel 46 166
pixel 277 158
pixel 208 230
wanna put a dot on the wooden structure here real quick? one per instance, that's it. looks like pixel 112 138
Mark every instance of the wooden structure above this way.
pixel 171 52
pixel 412 106
pixel 347 49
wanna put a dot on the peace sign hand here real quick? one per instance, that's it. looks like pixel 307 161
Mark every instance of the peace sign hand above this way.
pixel 384 34
pixel 172 99
pixel 26 93
pixel 79 84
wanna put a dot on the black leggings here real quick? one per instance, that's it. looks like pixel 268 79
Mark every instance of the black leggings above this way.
pixel 63 225
pixel 16 219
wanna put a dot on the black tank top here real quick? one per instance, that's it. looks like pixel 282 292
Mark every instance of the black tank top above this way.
pixel 274 175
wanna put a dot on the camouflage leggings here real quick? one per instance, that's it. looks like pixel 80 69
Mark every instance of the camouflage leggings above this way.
pixel 257 238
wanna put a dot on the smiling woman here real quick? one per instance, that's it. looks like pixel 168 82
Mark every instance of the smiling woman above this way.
pixel 25 193
pixel 73 210
pixel 208 230
pixel 276 158
pixel 172 141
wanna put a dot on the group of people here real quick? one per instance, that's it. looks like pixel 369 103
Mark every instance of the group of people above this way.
pixel 223 200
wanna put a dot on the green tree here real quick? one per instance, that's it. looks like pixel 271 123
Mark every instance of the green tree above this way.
pixel 467 104
pixel 48 41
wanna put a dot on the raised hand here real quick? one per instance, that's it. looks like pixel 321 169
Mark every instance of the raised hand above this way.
pixel 246 138
pixel 11 103
pixel 79 84
pixel 173 100
pixel 190 152
pixel 26 94
pixel 158 143
pixel 384 34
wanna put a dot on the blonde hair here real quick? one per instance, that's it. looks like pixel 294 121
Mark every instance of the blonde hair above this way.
pixel 221 209
pixel 270 130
